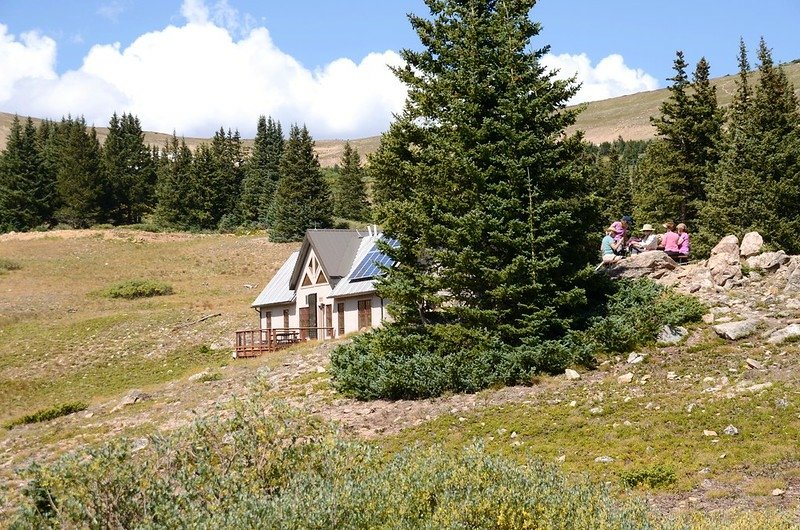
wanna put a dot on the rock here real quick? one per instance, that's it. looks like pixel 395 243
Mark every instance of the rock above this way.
pixel 768 261
pixel 561 458
pixel 642 265
pixel 625 379
pixel 793 275
pixel 571 374
pixel 671 376
pixel 737 330
pixel 198 376
pixel 596 410
pixel 752 363
pixel 139 444
pixel 320 369
pixel 635 358
pixel 777 492
pixel 709 433
pixel 759 387
pixel 724 261
pixel 708 318
pixel 671 335
pixel 604 459
pixel 751 244
pixel 134 396
pixel 730 430
pixel 790 331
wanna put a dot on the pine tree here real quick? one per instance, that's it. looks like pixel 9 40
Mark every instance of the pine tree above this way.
pixel 262 172
pixel 490 204
pixel 350 199
pixel 227 176
pixel 175 189
pixel 757 184
pixel 80 181
pixel 670 180
pixel 302 199
pixel 129 169
pixel 27 194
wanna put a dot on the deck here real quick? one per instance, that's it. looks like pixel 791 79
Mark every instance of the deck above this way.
pixel 256 342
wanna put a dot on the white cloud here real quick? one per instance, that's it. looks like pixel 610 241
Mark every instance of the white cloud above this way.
pixel 201 75
pixel 198 77
pixel 112 10
pixel 610 78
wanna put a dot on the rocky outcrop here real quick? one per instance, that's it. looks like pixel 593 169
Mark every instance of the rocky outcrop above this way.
pixel 736 330
pixel 768 261
pixel 652 264
pixel 751 244
pixel 724 261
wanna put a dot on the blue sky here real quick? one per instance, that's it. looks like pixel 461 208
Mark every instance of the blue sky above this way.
pixel 196 65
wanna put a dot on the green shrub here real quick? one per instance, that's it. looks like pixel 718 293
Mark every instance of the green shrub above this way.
pixel 48 414
pixel 653 477
pixel 7 265
pixel 282 469
pixel 132 289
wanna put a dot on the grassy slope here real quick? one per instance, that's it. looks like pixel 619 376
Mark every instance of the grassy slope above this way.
pixel 60 341
pixel 625 116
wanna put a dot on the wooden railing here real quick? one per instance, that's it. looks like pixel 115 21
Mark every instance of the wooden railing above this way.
pixel 255 342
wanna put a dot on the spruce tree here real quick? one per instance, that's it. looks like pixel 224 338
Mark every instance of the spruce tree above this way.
pixel 302 199
pixel 80 182
pixel 493 213
pixel 27 193
pixel 262 172
pixel 129 169
pixel 350 198
pixel 226 177
pixel 757 185
pixel 670 180
pixel 175 189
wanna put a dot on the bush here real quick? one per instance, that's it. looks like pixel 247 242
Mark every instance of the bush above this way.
pixel 48 414
pixel 282 469
pixel 132 289
pixel 7 265
pixel 653 477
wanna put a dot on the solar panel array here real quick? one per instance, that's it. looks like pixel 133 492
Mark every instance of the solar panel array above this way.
pixel 369 266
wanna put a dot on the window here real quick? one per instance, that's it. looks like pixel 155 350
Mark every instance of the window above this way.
pixel 267 319
pixel 285 318
pixel 364 314
pixel 340 317
pixel 311 300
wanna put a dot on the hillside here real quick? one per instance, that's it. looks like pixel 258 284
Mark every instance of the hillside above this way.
pixel 151 366
pixel 602 121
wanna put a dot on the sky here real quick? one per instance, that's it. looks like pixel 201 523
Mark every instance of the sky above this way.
pixel 193 66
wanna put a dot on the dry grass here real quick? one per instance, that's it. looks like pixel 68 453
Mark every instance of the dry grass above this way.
pixel 59 341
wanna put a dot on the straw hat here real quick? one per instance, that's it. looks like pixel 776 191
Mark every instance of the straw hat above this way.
pixel 647 228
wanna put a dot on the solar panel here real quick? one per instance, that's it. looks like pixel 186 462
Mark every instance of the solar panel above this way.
pixel 369 266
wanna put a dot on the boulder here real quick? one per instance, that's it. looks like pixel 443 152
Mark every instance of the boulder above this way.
pixel 736 330
pixel 751 244
pixel 724 261
pixel 793 274
pixel 651 263
pixel 768 261
pixel 671 335
pixel 790 331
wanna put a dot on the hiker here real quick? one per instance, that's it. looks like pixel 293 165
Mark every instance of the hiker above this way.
pixel 649 240
pixel 610 247
pixel 669 240
pixel 683 243
pixel 620 234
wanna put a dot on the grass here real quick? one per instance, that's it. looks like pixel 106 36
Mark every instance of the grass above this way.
pixel 7 265
pixel 133 289
pixel 48 414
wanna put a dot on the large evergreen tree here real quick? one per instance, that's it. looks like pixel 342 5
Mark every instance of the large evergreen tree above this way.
pixel 80 180
pixel 302 199
pixel 670 180
pixel 350 194
pixel 176 190
pixel 130 171
pixel 490 204
pixel 262 172
pixel 757 184
pixel 227 176
pixel 27 191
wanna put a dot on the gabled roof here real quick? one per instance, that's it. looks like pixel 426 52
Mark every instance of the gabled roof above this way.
pixel 335 250
pixel 277 290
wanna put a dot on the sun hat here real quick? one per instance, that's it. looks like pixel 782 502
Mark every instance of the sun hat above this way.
pixel 628 219
pixel 647 227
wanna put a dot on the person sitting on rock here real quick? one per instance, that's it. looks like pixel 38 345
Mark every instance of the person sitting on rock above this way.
pixel 683 243
pixel 620 234
pixel 649 240
pixel 609 247
pixel 669 240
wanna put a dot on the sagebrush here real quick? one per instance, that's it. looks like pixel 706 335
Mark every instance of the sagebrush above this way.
pixel 132 289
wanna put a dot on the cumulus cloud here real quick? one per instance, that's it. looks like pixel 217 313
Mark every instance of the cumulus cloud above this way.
pixel 197 77
pixel 218 69
pixel 610 78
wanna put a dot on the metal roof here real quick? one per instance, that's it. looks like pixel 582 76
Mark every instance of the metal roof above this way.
pixel 277 290
pixel 349 285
